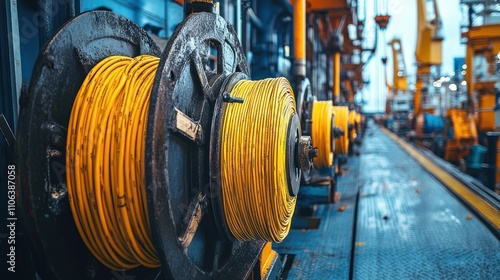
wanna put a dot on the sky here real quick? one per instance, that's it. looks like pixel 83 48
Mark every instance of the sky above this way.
pixel 403 25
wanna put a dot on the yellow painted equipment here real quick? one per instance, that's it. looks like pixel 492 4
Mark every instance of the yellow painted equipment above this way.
pixel 483 47
pixel 399 79
pixel 428 50
pixel 486 114
pixel 429 41
pixel 266 260
pixel 482 41
pixel 465 135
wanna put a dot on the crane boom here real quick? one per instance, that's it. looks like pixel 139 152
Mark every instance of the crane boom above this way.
pixel 428 51
pixel 399 75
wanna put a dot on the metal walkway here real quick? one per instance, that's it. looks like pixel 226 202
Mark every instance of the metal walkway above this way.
pixel 399 222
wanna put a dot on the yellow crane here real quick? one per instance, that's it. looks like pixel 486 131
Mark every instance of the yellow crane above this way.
pixel 398 101
pixel 400 83
pixel 459 129
pixel 483 48
pixel 428 50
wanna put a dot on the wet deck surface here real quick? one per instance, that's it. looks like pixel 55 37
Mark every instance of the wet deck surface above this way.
pixel 399 222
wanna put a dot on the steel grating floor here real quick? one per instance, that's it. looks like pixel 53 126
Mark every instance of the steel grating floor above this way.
pixel 404 225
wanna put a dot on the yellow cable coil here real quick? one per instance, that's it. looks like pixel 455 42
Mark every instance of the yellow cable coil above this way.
pixel 105 161
pixel 321 133
pixel 352 123
pixel 256 199
pixel 358 119
pixel 352 117
pixel 341 120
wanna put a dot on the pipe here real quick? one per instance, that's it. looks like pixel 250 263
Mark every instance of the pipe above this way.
pixel 53 15
pixel 336 77
pixel 350 91
pixel 256 22
pixel 287 6
pixel 11 60
pixel 299 38
pixel 469 55
pixel 73 8
pixel 239 20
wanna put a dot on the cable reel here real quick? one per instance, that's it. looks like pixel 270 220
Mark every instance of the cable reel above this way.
pixel 248 139
pixel 58 73
pixel 189 108
pixel 322 137
pixel 352 126
pixel 341 135
pixel 105 161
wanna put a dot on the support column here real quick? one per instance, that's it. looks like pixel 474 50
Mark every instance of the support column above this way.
pixel 336 77
pixel 299 43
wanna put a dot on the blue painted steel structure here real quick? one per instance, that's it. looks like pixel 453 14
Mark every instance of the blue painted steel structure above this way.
pixel 155 16
pixel 271 52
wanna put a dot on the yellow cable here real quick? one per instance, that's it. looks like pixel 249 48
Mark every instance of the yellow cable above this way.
pixel 341 120
pixel 321 133
pixel 358 120
pixel 256 200
pixel 105 161
pixel 352 123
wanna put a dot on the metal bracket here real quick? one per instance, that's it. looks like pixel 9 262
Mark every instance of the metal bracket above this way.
pixel 230 99
pixel 187 127
pixel 192 220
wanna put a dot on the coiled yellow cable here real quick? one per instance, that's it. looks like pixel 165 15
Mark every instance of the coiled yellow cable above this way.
pixel 341 120
pixel 352 123
pixel 321 133
pixel 256 199
pixel 105 161
pixel 358 120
